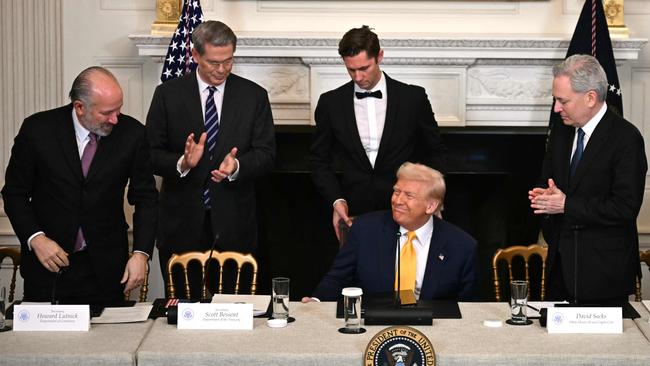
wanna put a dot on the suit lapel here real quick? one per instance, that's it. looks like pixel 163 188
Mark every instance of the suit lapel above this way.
pixel 565 142
pixel 192 102
pixel 596 142
pixel 68 141
pixel 350 122
pixel 228 114
pixel 388 252
pixel 390 119
pixel 104 147
pixel 432 272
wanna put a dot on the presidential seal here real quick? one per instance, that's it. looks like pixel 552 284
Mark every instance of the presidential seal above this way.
pixel 399 346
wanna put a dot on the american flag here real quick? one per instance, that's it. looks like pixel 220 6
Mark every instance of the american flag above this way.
pixel 178 61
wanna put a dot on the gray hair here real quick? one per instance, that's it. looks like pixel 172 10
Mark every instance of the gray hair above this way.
pixel 585 74
pixel 435 181
pixel 215 33
pixel 81 89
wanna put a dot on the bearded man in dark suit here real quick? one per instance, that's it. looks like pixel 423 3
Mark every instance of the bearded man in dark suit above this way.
pixel 212 135
pixel 594 170
pixel 370 125
pixel 64 195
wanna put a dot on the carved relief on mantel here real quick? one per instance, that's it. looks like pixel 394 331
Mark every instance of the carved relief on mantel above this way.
pixel 481 81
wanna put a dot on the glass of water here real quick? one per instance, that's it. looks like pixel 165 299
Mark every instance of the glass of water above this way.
pixel 518 302
pixel 352 310
pixel 280 288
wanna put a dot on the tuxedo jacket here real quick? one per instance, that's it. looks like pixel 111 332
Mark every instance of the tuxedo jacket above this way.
pixel 45 190
pixel 368 258
pixel 603 200
pixel 410 134
pixel 246 123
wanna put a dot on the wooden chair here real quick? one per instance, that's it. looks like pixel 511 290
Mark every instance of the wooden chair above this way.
pixel 202 257
pixel 14 254
pixel 645 257
pixel 507 254
pixel 144 289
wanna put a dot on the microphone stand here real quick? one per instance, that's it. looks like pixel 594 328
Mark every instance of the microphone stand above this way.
pixel 576 229
pixel 55 300
pixel 204 290
pixel 398 299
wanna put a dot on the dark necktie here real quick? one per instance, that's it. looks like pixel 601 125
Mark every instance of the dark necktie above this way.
pixel 86 158
pixel 212 129
pixel 362 95
pixel 577 155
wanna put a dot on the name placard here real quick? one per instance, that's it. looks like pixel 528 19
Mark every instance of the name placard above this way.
pixel 55 318
pixel 585 320
pixel 215 316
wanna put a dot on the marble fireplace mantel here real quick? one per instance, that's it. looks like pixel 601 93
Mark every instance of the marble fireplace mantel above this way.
pixel 480 81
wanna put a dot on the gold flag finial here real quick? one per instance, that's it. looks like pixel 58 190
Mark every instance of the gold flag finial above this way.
pixel 615 18
pixel 167 14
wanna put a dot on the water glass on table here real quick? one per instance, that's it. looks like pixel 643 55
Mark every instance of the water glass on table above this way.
pixel 280 294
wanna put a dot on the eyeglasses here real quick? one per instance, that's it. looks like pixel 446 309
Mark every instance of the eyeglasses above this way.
pixel 217 64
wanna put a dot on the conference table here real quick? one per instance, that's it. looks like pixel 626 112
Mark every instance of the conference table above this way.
pixel 313 339
pixel 103 345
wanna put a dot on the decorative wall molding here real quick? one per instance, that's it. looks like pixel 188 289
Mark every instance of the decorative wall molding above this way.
pixel 129 73
pixel 378 7
pixel 469 80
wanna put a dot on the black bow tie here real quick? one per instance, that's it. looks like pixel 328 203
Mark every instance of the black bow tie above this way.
pixel 375 94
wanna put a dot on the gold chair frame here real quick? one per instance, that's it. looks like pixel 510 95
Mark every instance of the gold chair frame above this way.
pixel 14 254
pixel 507 254
pixel 645 257
pixel 202 257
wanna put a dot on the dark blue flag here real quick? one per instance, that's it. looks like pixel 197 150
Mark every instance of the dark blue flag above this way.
pixel 178 61
pixel 591 37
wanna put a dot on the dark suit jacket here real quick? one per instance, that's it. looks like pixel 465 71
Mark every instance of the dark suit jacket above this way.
pixel 603 200
pixel 367 260
pixel 246 123
pixel 45 191
pixel 410 134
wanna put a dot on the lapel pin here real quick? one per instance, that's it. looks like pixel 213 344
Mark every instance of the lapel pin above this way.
pixel 441 256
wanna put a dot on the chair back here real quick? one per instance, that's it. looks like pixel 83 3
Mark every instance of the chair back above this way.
pixel 14 254
pixel 525 252
pixel 645 258
pixel 185 259
pixel 144 289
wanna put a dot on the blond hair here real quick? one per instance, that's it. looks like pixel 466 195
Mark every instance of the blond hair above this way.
pixel 434 180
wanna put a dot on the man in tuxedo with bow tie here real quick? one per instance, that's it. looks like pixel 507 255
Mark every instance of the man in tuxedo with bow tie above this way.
pixel 64 195
pixel 437 259
pixel 366 128
pixel 594 173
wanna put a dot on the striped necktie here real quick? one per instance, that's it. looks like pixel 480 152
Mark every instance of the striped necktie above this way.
pixel 577 155
pixel 212 129
pixel 86 158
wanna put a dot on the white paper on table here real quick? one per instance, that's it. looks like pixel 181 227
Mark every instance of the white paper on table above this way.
pixel 646 303
pixel 133 314
pixel 540 305
pixel 260 302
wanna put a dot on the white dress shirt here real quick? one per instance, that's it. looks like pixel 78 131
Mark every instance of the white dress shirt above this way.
pixel 370 114
pixel 588 129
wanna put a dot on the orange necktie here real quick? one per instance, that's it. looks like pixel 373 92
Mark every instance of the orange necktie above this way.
pixel 408 264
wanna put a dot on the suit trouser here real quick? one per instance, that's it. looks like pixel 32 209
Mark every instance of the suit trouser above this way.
pixel 75 284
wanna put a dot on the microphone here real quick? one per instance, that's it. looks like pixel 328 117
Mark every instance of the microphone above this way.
pixel 576 229
pixel 55 299
pixel 398 300
pixel 205 293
